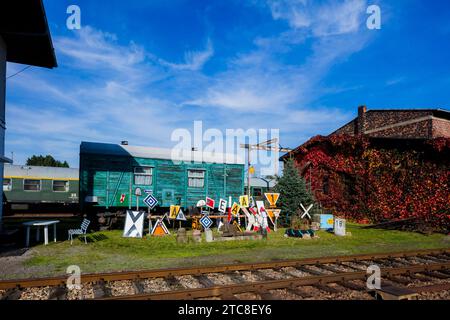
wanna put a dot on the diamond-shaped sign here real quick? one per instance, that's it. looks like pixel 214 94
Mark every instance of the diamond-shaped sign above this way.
pixel 206 222
pixel 150 201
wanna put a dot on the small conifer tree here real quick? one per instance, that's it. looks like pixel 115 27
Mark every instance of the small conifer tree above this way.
pixel 293 191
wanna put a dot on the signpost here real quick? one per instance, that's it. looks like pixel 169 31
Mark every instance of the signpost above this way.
pixel 272 198
pixel 160 229
pixel 151 203
pixel 306 211
pixel 235 209
pixel 210 203
pixel 243 201
pixel 150 200
pixel 206 222
pixel 134 224
pixel 137 193
pixel 222 206
pixel 273 215
pixel 174 212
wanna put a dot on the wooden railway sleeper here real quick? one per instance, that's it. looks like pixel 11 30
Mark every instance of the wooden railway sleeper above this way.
pixel 58 293
pixel 204 281
pixel 12 294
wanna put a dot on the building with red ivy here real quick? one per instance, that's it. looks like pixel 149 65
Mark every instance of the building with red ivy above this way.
pixel 383 165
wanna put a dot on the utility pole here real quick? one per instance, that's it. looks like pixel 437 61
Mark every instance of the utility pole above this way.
pixel 270 145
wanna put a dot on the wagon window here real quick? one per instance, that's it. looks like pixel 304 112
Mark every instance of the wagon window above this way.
pixel 7 185
pixel 143 176
pixel 31 185
pixel 60 186
pixel 257 192
pixel 196 178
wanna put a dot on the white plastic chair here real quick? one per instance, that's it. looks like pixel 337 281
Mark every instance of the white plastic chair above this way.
pixel 82 231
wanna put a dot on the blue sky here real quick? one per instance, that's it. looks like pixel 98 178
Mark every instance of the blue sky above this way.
pixel 137 70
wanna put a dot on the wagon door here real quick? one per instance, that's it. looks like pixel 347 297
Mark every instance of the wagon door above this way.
pixel 168 197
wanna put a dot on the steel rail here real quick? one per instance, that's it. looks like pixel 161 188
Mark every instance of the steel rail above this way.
pixel 171 272
pixel 263 286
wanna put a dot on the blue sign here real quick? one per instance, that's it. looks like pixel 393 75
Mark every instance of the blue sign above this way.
pixel 150 201
pixel 206 222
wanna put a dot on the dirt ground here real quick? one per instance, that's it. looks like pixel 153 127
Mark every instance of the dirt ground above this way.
pixel 12 263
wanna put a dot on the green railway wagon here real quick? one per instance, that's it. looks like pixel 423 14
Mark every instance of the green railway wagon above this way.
pixel 111 173
pixel 30 189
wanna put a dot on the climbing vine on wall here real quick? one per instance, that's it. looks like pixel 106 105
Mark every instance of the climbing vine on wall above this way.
pixel 375 180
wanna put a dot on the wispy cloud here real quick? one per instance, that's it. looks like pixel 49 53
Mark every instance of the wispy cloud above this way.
pixel 110 90
pixel 193 60
pixel 395 81
pixel 323 19
pixel 257 81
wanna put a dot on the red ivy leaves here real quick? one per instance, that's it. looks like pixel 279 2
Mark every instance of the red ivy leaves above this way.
pixel 368 182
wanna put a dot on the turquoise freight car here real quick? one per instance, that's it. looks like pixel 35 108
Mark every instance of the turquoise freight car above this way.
pixel 111 173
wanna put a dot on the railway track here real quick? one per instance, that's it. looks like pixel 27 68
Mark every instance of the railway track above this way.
pixel 404 275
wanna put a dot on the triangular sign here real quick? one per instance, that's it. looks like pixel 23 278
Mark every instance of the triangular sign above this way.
pixel 272 198
pixel 181 216
pixel 160 229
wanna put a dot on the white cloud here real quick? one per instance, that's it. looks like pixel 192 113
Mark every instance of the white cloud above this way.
pixel 108 91
pixel 259 81
pixel 93 48
pixel 194 60
pixel 326 19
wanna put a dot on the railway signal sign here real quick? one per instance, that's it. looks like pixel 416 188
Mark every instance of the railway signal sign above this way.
pixel 174 212
pixel 306 211
pixel 181 216
pixel 251 220
pixel 210 203
pixel 272 198
pixel 206 222
pixel 134 224
pixel 243 201
pixel 235 209
pixel 138 192
pixel 273 213
pixel 160 229
pixel 252 202
pixel 222 205
pixel 150 200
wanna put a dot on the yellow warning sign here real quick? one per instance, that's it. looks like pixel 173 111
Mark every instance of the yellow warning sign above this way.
pixel 243 201
pixel 273 213
pixel 235 209
pixel 237 225
pixel 272 198
pixel 174 212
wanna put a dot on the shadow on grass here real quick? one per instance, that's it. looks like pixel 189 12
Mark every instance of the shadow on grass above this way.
pixel 92 238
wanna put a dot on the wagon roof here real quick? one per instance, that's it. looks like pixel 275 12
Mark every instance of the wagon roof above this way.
pixel 159 153
pixel 258 182
pixel 40 172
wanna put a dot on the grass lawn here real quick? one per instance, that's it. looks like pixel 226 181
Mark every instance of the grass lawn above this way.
pixel 108 251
